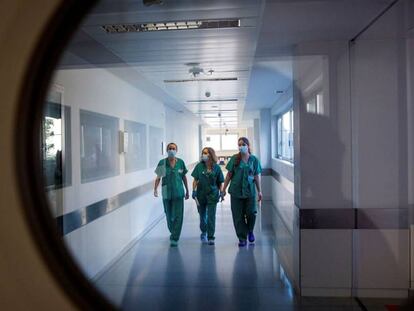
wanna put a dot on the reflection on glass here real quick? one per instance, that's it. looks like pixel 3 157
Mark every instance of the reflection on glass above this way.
pixel 213 141
pixel 56 144
pixel 136 153
pixel 99 146
pixel 315 104
pixel 229 141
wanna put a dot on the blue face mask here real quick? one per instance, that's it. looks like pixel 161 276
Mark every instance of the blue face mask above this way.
pixel 244 149
pixel 204 158
pixel 172 153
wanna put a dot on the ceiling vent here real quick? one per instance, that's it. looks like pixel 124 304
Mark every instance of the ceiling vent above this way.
pixel 165 26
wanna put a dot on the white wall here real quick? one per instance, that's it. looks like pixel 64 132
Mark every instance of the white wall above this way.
pixel 323 164
pixel 182 128
pixel 379 105
pixel 354 155
pixel 98 243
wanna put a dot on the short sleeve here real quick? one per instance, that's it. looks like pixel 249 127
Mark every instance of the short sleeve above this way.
pixel 220 177
pixel 160 171
pixel 185 170
pixel 196 172
pixel 257 167
pixel 230 165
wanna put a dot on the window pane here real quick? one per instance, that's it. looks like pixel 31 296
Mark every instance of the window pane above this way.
pixel 311 105
pixel 279 137
pixel 319 103
pixel 291 136
pixel 229 142
pixel 56 147
pixel 285 136
pixel 213 141
pixel 99 146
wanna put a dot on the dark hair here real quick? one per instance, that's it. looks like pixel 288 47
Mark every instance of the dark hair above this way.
pixel 238 155
pixel 176 147
pixel 212 154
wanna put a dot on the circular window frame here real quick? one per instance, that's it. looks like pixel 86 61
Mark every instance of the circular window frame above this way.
pixel 58 32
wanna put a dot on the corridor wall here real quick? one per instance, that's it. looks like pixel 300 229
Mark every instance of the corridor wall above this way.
pixel 96 244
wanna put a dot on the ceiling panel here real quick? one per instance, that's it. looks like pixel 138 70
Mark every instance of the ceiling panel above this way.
pixel 255 53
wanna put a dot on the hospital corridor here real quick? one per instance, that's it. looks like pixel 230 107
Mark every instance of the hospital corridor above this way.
pixel 207 155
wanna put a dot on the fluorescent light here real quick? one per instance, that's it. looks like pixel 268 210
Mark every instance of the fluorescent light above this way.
pixel 200 80
pixel 212 100
pixel 171 25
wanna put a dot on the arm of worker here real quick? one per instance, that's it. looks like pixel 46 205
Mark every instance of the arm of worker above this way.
pixel 258 182
pixel 226 183
pixel 186 187
pixel 221 192
pixel 156 183
pixel 195 183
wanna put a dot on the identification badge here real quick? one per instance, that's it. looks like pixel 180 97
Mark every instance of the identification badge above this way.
pixel 250 178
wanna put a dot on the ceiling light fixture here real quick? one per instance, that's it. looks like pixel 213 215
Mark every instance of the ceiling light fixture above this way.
pixel 212 100
pixel 201 80
pixel 171 25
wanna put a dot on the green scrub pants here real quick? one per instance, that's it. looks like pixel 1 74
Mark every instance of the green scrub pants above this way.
pixel 244 212
pixel 208 219
pixel 174 211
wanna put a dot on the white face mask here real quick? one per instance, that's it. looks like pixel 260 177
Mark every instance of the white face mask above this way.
pixel 243 149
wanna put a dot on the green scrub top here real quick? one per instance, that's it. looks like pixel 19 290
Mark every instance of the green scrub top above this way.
pixel 208 182
pixel 172 178
pixel 242 182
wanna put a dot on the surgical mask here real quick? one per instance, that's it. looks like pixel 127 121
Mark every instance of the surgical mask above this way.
pixel 172 153
pixel 243 149
pixel 204 157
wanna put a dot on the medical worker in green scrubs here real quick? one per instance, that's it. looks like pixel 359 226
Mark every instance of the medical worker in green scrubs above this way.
pixel 172 170
pixel 244 173
pixel 207 186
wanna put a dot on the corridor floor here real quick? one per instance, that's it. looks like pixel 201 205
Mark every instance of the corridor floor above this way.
pixel 192 276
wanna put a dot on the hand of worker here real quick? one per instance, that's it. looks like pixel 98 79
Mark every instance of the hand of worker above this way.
pixel 187 196
pixel 156 193
pixel 222 195
pixel 194 194
pixel 259 196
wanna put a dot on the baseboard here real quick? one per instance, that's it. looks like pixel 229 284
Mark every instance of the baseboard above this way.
pixel 325 292
pixel 126 249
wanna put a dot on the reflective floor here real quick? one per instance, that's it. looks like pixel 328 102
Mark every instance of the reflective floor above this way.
pixel 154 276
